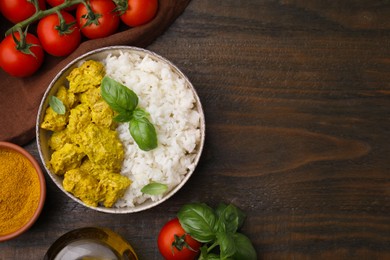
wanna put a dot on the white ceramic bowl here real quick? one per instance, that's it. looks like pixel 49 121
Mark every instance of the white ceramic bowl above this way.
pixel 42 136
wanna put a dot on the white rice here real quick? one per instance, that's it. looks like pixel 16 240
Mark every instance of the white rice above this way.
pixel 171 105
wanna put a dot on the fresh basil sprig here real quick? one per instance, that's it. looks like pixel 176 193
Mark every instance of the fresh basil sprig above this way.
pixel 230 218
pixel 124 101
pixel 199 221
pixel 143 131
pixel 217 229
pixel 56 104
pixel 120 98
pixel 154 188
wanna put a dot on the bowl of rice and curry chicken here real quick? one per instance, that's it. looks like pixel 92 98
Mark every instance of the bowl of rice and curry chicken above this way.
pixel 22 193
pixel 120 129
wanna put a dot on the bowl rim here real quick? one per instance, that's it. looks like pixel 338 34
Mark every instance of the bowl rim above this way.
pixel 42 184
pixel 118 48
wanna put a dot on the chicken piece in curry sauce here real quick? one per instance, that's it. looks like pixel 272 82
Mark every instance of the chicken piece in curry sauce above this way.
pixel 86 149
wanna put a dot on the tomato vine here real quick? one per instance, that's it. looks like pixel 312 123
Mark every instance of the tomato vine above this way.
pixel 59 33
pixel 39 14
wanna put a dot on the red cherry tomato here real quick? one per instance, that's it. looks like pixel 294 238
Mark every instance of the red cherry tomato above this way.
pixel 19 10
pixel 166 242
pixel 139 12
pixel 17 63
pixel 55 42
pixel 107 22
pixel 58 2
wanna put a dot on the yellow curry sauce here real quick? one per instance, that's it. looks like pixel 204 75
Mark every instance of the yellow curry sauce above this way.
pixel 86 149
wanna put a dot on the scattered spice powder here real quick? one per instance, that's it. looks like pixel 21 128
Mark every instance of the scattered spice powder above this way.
pixel 19 191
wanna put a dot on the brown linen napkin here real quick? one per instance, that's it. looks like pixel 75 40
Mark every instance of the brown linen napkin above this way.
pixel 20 97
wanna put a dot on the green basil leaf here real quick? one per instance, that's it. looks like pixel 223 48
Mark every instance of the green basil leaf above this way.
pixel 154 188
pixel 204 255
pixel 118 97
pixel 124 117
pixel 144 133
pixel 213 257
pixel 198 220
pixel 244 247
pixel 57 105
pixel 140 113
pixel 230 218
pixel 219 209
pixel 227 244
pixel 220 225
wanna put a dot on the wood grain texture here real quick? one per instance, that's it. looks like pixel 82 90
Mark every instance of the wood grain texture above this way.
pixel 296 96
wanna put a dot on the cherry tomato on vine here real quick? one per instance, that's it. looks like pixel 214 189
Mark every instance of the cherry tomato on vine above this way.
pixel 139 12
pixel 21 60
pixel 174 244
pixel 59 37
pixel 101 23
pixel 58 2
pixel 19 10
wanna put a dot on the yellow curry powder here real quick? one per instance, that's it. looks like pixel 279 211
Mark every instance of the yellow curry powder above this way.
pixel 19 191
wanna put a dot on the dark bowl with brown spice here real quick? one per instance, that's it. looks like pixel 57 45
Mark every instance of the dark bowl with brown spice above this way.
pixel 22 193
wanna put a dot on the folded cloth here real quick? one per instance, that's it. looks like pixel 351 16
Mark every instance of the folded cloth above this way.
pixel 20 97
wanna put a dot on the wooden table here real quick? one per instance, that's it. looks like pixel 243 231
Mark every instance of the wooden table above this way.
pixel 296 95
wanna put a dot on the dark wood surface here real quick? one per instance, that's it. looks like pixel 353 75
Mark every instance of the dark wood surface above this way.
pixel 296 95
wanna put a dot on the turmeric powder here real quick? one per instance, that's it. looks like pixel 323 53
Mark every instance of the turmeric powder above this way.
pixel 19 191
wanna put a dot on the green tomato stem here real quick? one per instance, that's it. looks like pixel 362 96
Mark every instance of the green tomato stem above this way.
pixel 62 25
pixel 39 14
pixel 121 6
pixel 91 16
pixel 22 41
pixel 36 4
pixel 64 28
